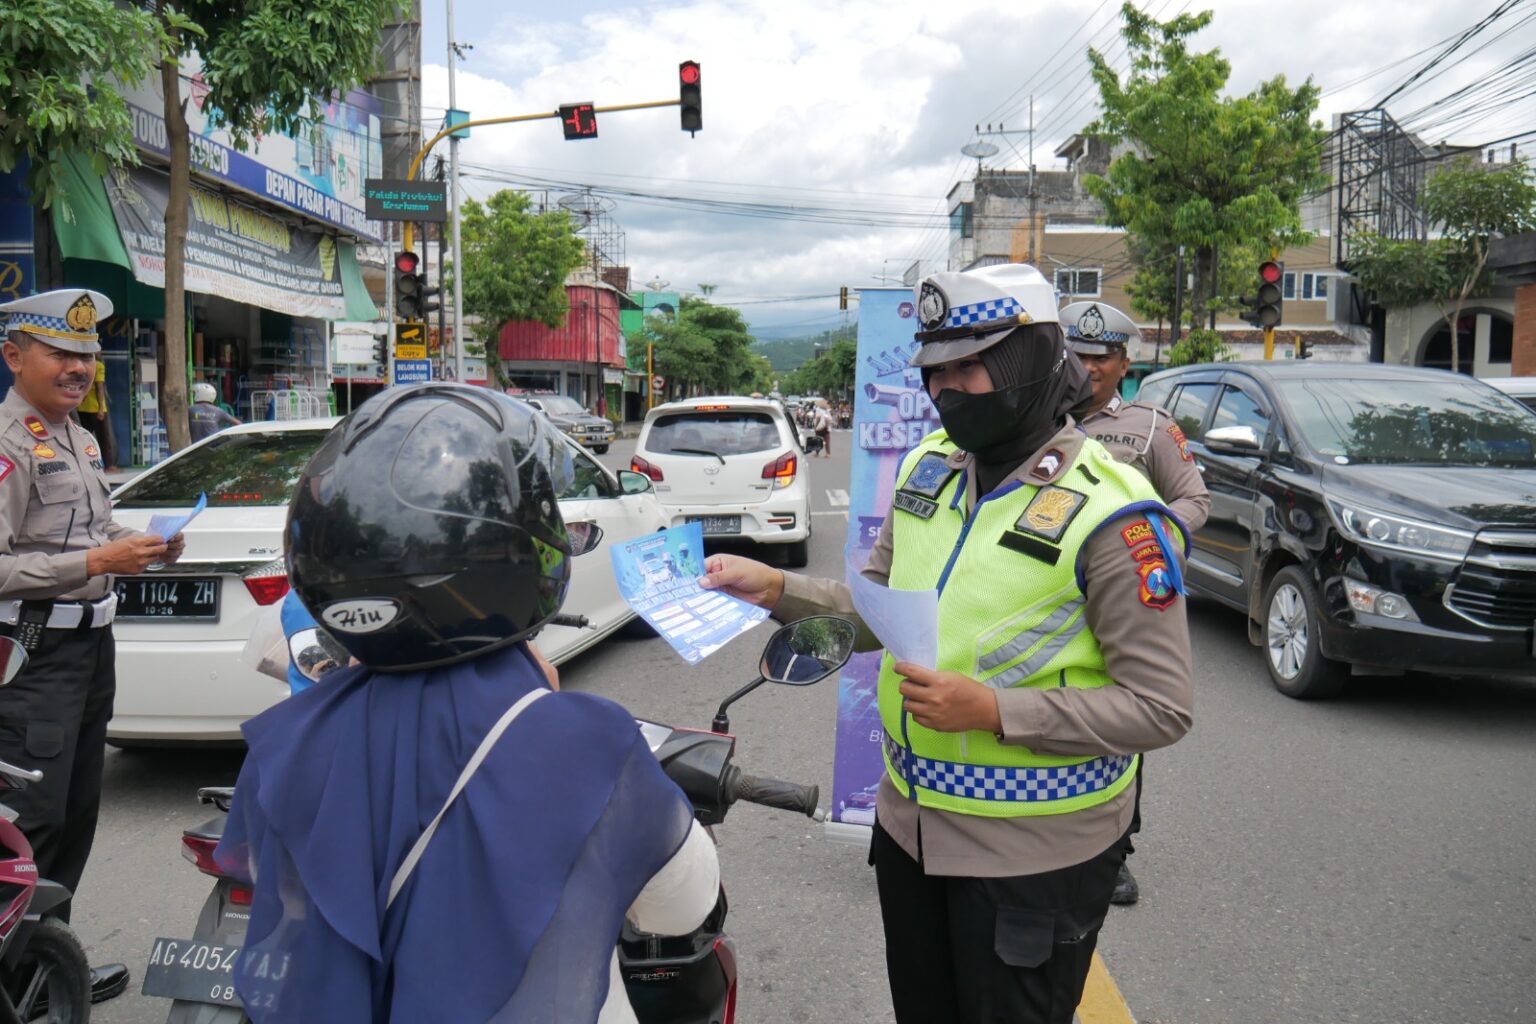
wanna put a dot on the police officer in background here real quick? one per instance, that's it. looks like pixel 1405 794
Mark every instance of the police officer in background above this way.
pixel 1137 433
pixel 59 550
pixel 1010 783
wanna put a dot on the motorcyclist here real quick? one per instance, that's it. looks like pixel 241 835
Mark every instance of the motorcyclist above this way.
pixel 410 865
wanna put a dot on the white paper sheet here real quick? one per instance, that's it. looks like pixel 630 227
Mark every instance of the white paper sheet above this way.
pixel 166 526
pixel 905 621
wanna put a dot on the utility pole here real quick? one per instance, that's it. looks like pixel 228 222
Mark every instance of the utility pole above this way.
pixel 453 209
pixel 1178 298
pixel 1035 240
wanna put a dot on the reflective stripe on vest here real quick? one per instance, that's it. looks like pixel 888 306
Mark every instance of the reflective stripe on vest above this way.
pixel 994 782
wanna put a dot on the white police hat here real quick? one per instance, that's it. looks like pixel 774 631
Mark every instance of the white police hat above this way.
pixel 963 313
pixel 1095 329
pixel 65 318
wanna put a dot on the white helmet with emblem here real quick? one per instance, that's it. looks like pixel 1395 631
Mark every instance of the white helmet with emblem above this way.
pixel 1096 329
pixel 963 313
pixel 202 391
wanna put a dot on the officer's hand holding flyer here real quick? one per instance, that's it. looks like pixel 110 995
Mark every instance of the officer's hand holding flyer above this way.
pixel 659 577
pixel 166 526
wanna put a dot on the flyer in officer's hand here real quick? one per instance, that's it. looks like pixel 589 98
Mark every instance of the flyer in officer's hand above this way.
pixel 165 525
pixel 659 575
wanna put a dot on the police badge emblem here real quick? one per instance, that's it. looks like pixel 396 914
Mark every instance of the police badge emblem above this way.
pixel 1050 512
pixel 1090 326
pixel 82 315
pixel 932 305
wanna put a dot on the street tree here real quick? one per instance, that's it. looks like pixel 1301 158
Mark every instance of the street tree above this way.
pixel 705 349
pixel 58 59
pixel 267 66
pixel 830 374
pixel 1470 204
pixel 1203 170
pixel 515 265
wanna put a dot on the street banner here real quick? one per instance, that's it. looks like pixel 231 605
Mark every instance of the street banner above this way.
pixel 413 371
pixel 658 576
pixel 891 414
pixel 233 250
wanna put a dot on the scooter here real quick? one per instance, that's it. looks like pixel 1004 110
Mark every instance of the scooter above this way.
pixel 688 979
pixel 44 973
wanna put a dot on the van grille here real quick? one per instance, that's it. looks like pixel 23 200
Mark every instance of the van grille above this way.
pixel 1497 583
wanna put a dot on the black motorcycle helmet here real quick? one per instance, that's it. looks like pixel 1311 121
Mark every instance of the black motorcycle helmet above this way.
pixel 425 530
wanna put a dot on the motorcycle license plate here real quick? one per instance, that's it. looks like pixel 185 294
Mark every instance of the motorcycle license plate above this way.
pixel 188 969
pixel 715 525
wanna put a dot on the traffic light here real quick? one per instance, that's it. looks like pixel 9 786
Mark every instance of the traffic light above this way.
pixel 689 97
pixel 413 299
pixel 1303 348
pixel 1266 308
pixel 381 354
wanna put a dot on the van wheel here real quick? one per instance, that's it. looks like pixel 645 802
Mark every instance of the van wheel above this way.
pixel 1293 640
pixel 600 450
pixel 798 554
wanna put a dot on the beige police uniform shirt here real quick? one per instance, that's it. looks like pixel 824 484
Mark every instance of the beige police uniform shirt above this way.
pixel 53 506
pixel 1146 652
pixel 1146 436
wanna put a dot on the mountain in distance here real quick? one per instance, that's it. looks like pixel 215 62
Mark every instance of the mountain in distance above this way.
pixel 786 354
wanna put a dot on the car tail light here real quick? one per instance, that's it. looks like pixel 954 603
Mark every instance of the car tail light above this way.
pixel 240 895
pixel 727 958
pixel 639 465
pixel 267 583
pixel 782 470
pixel 198 851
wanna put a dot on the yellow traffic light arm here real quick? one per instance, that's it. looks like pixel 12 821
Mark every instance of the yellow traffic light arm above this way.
pixel 480 123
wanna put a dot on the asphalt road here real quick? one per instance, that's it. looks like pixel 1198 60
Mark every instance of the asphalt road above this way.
pixel 1368 859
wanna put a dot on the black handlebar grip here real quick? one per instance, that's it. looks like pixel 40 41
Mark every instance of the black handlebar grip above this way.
pixel 574 621
pixel 787 796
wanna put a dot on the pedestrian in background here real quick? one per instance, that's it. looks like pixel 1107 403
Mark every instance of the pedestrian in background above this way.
pixel 1140 435
pixel 823 427
pixel 1063 652
pixel 207 417
pixel 59 550
pixel 93 417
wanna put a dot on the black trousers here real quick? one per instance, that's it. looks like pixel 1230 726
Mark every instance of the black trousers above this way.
pixel 53 717
pixel 990 950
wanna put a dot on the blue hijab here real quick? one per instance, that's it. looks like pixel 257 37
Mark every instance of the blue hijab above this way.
pixel 515 908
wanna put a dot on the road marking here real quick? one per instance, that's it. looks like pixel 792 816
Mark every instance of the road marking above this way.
pixel 842 512
pixel 839 498
pixel 1102 1002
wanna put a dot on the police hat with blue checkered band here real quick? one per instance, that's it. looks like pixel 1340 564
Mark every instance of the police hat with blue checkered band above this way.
pixel 963 313
pixel 1096 329
pixel 65 318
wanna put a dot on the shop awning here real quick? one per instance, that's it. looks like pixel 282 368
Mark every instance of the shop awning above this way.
pixel 360 305
pixel 92 249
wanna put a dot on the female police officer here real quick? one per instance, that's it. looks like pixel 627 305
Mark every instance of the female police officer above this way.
pixel 1063 653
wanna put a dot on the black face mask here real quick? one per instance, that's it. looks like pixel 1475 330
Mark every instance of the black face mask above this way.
pixel 982 423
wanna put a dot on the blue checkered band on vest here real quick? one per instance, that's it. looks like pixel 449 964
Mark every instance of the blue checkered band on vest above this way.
pixel 21 321
pixel 982 312
pixel 987 782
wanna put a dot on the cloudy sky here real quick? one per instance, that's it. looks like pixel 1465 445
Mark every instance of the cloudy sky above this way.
pixel 846 119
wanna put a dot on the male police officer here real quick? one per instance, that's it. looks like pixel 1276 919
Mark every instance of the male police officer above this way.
pixel 58 552
pixel 1137 433
pixel 1010 778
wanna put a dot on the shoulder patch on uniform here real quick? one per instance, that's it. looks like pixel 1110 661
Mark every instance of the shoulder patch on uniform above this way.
pixel 923 508
pixel 36 426
pixel 1050 512
pixel 1147 552
pixel 1157 588
pixel 6 465
pixel 1138 532
pixel 42 451
pixel 1048 466
pixel 930 476
pixel 90 450
pixel 1180 440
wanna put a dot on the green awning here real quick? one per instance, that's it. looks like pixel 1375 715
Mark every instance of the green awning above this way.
pixel 360 305
pixel 83 221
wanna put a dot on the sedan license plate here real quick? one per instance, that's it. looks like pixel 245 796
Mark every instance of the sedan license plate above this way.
pixel 189 969
pixel 158 598
pixel 717 524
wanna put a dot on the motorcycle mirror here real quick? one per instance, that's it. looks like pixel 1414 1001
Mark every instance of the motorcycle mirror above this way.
pixel 13 658
pixel 585 536
pixel 317 653
pixel 807 651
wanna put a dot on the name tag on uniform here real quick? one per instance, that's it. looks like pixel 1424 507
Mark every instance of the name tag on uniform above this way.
pixel 923 508
pixel 1050 512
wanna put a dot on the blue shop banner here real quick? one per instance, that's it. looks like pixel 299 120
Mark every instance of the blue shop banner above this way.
pixel 891 414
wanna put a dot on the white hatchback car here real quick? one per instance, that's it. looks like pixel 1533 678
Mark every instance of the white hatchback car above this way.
pixel 734 465
pixel 180 630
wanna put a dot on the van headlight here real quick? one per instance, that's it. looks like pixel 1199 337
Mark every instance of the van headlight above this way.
pixel 1384 530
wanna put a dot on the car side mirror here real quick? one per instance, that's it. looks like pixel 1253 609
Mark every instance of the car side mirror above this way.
pixel 631 482
pixel 1241 440
pixel 585 536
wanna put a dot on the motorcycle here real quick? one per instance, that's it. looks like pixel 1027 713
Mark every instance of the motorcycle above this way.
pixel 44 973
pixel 669 979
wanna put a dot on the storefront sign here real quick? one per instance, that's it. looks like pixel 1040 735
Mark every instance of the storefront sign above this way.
pixel 16 215
pixel 319 173
pixel 412 371
pixel 402 199
pixel 233 250
pixel 612 375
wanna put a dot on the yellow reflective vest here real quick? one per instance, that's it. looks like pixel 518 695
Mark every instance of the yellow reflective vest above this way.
pixel 1011 606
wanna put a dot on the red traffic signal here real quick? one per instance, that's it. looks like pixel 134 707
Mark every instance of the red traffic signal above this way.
pixel 1268 306
pixel 406 262
pixel 1270 272
pixel 690 97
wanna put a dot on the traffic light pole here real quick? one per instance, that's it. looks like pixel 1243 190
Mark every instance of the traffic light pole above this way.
pixel 1269 332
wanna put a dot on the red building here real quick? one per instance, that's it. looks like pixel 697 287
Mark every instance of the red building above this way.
pixel 577 358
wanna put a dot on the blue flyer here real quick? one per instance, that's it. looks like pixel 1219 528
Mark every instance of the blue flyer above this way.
pixel 659 577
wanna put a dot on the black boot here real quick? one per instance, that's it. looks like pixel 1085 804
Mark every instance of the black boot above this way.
pixel 1126 890
pixel 108 981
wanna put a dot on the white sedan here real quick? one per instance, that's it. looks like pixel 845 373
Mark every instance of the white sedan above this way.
pixel 180 630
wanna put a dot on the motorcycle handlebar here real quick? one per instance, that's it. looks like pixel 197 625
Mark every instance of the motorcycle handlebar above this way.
pixel 573 621
pixel 787 796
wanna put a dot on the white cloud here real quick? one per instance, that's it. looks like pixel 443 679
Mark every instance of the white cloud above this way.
pixel 868 101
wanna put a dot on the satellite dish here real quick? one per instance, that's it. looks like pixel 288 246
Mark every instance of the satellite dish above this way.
pixel 979 150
